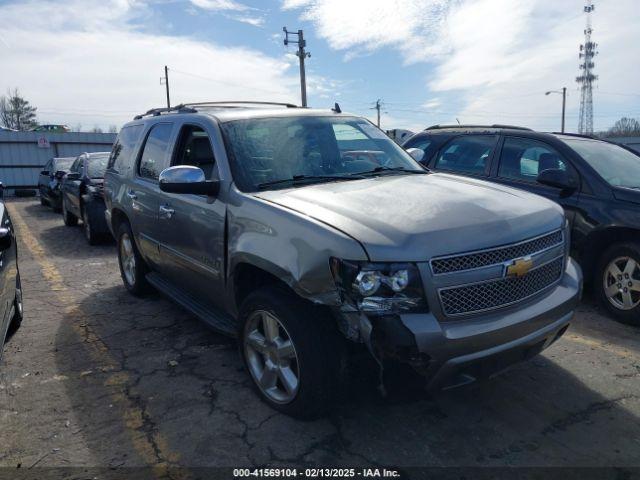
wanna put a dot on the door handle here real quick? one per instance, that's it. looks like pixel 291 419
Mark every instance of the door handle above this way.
pixel 132 195
pixel 166 212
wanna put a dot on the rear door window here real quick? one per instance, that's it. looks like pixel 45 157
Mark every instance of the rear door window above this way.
pixel 154 154
pixel 524 158
pixel 467 154
pixel 121 157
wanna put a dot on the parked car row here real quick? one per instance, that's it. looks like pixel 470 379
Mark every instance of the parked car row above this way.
pixel 596 182
pixel 74 187
pixel 309 234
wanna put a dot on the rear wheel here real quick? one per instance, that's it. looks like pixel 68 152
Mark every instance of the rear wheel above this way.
pixel 618 282
pixel 43 201
pixel 89 233
pixel 133 268
pixel 292 351
pixel 70 220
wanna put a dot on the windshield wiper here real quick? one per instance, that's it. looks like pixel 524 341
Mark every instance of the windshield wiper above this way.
pixel 390 169
pixel 307 178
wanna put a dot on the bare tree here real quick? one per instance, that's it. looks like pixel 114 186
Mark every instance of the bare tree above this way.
pixel 77 127
pixel 16 112
pixel 113 129
pixel 625 127
pixel 96 129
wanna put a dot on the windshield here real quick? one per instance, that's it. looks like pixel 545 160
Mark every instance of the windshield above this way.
pixel 267 151
pixel 96 166
pixel 618 166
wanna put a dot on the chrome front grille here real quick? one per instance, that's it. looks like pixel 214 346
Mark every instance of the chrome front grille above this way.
pixel 492 294
pixel 483 258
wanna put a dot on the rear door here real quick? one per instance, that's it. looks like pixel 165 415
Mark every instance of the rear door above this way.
pixel 192 226
pixel 144 193
pixel 466 155
pixel 521 159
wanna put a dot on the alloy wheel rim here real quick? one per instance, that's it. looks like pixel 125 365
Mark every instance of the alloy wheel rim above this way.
pixel 128 259
pixel 621 283
pixel 271 357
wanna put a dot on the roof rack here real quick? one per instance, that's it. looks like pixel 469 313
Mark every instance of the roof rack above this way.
pixel 238 104
pixel 154 112
pixel 192 107
pixel 495 125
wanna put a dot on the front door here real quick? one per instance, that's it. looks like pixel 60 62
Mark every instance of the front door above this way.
pixel 192 226
pixel 71 187
pixel 521 159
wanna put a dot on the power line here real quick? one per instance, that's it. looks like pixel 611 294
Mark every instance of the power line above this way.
pixel 222 82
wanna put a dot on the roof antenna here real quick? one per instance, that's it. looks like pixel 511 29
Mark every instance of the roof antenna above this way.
pixel 336 108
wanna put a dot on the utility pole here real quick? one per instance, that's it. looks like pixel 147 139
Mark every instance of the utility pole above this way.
pixel 165 81
pixel 564 102
pixel 301 54
pixel 564 105
pixel 377 107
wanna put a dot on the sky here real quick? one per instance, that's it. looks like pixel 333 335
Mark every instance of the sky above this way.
pixel 97 63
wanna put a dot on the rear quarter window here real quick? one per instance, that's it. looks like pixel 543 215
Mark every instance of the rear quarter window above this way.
pixel 123 154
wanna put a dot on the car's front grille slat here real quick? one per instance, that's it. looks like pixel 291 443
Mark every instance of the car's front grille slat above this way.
pixel 472 260
pixel 493 294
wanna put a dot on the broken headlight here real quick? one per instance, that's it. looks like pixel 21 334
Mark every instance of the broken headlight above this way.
pixel 379 288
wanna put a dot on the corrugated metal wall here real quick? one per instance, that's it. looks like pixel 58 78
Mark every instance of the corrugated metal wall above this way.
pixel 21 159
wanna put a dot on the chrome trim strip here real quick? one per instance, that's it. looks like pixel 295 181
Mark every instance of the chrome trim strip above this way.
pixel 502 305
pixel 508 245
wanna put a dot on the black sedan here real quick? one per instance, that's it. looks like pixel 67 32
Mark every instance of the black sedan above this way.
pixel 50 180
pixel 83 195
pixel 597 183
pixel 10 289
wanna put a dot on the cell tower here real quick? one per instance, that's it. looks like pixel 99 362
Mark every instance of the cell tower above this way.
pixel 588 50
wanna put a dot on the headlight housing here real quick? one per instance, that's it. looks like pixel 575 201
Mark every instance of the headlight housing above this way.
pixel 379 288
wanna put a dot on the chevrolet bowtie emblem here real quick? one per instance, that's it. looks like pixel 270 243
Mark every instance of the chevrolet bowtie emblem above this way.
pixel 519 267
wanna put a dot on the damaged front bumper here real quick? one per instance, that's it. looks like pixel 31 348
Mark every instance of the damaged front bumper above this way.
pixel 452 352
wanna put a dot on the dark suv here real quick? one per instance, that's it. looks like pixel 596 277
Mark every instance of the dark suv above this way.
pixel 50 181
pixel 597 183
pixel 83 196
pixel 300 230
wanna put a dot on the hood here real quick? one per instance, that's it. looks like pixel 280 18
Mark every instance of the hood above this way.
pixel 416 217
pixel 626 194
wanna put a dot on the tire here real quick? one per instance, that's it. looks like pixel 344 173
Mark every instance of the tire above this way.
pixel 44 202
pixel 311 350
pixel 617 282
pixel 70 220
pixel 16 321
pixel 90 234
pixel 133 274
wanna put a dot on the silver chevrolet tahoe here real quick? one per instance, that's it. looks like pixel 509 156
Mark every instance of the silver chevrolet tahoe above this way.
pixel 305 233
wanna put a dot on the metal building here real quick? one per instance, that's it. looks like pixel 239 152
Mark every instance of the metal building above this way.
pixel 23 154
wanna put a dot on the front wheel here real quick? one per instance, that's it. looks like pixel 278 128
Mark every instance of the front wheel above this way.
pixel 618 282
pixel 133 268
pixel 70 220
pixel 292 351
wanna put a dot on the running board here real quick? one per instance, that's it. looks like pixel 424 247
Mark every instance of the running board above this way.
pixel 212 316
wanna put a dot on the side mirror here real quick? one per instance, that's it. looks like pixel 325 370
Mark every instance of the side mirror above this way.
pixel 554 177
pixel 45 172
pixel 416 153
pixel 73 176
pixel 5 239
pixel 187 179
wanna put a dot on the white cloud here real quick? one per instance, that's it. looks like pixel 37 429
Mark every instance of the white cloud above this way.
pixel 95 63
pixel 492 60
pixel 219 5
